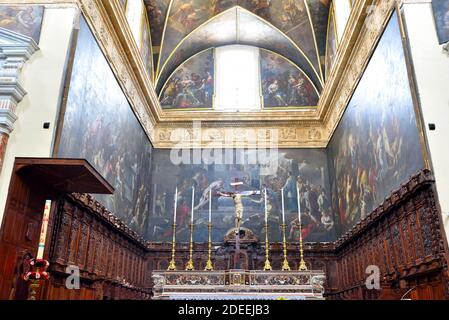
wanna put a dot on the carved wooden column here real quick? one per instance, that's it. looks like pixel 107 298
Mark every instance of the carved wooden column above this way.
pixel 15 50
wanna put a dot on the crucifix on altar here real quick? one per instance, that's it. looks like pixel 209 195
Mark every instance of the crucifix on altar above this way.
pixel 238 203
pixel 238 197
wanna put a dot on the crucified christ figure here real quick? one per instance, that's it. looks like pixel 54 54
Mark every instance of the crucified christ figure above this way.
pixel 237 197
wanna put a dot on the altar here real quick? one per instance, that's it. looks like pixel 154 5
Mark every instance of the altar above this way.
pixel 238 285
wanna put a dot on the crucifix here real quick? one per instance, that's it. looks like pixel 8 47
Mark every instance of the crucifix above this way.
pixel 237 197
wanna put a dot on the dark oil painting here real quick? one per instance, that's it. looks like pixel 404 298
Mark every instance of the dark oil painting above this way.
pixel 305 170
pixel 26 20
pixel 284 84
pixel 100 126
pixel 376 147
pixel 192 85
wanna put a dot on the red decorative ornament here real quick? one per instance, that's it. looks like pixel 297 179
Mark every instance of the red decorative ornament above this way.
pixel 38 270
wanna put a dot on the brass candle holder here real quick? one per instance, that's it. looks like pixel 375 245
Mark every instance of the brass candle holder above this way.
pixel 190 266
pixel 172 265
pixel 285 265
pixel 267 266
pixel 209 265
pixel 302 263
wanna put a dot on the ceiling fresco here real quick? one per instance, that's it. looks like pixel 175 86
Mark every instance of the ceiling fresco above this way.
pixel 284 84
pixel 192 85
pixel 295 29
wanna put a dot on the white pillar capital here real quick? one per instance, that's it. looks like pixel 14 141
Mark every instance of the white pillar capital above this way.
pixel 15 50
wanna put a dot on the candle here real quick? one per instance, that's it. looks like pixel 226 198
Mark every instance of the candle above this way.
pixel 283 210
pixel 44 227
pixel 193 201
pixel 176 204
pixel 266 208
pixel 210 205
pixel 299 205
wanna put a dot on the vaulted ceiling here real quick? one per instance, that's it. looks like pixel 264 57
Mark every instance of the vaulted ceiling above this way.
pixel 293 29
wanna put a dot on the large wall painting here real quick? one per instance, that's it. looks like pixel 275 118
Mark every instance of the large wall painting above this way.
pixel 441 13
pixel 192 85
pixel 100 126
pixel 306 169
pixel 26 20
pixel 376 147
pixel 331 42
pixel 284 84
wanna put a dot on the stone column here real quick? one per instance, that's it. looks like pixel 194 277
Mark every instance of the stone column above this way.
pixel 15 50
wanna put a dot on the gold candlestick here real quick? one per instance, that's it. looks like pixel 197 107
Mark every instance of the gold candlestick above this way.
pixel 302 263
pixel 285 265
pixel 267 266
pixel 190 266
pixel 172 265
pixel 209 265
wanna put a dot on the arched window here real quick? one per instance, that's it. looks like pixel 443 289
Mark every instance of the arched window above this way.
pixel 237 78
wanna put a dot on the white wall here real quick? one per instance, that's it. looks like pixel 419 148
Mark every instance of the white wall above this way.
pixel 42 77
pixel 432 73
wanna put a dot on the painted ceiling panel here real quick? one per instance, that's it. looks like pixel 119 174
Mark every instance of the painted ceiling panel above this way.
pixel 284 84
pixel 303 21
pixel 219 31
pixel 319 12
pixel 254 31
pixel 192 84
pixel 157 12
pixel 331 43
pixel 222 30
pixel 292 18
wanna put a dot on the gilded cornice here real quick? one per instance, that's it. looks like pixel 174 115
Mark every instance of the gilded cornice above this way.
pixel 296 128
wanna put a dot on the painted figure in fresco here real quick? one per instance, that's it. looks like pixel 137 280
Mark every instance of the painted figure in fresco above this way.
pixel 275 94
pixel 294 89
pixel 214 187
pixel 157 18
pixel 327 220
pixel 221 5
pixel 260 7
pixel 292 13
pixel 192 85
pixel 290 192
